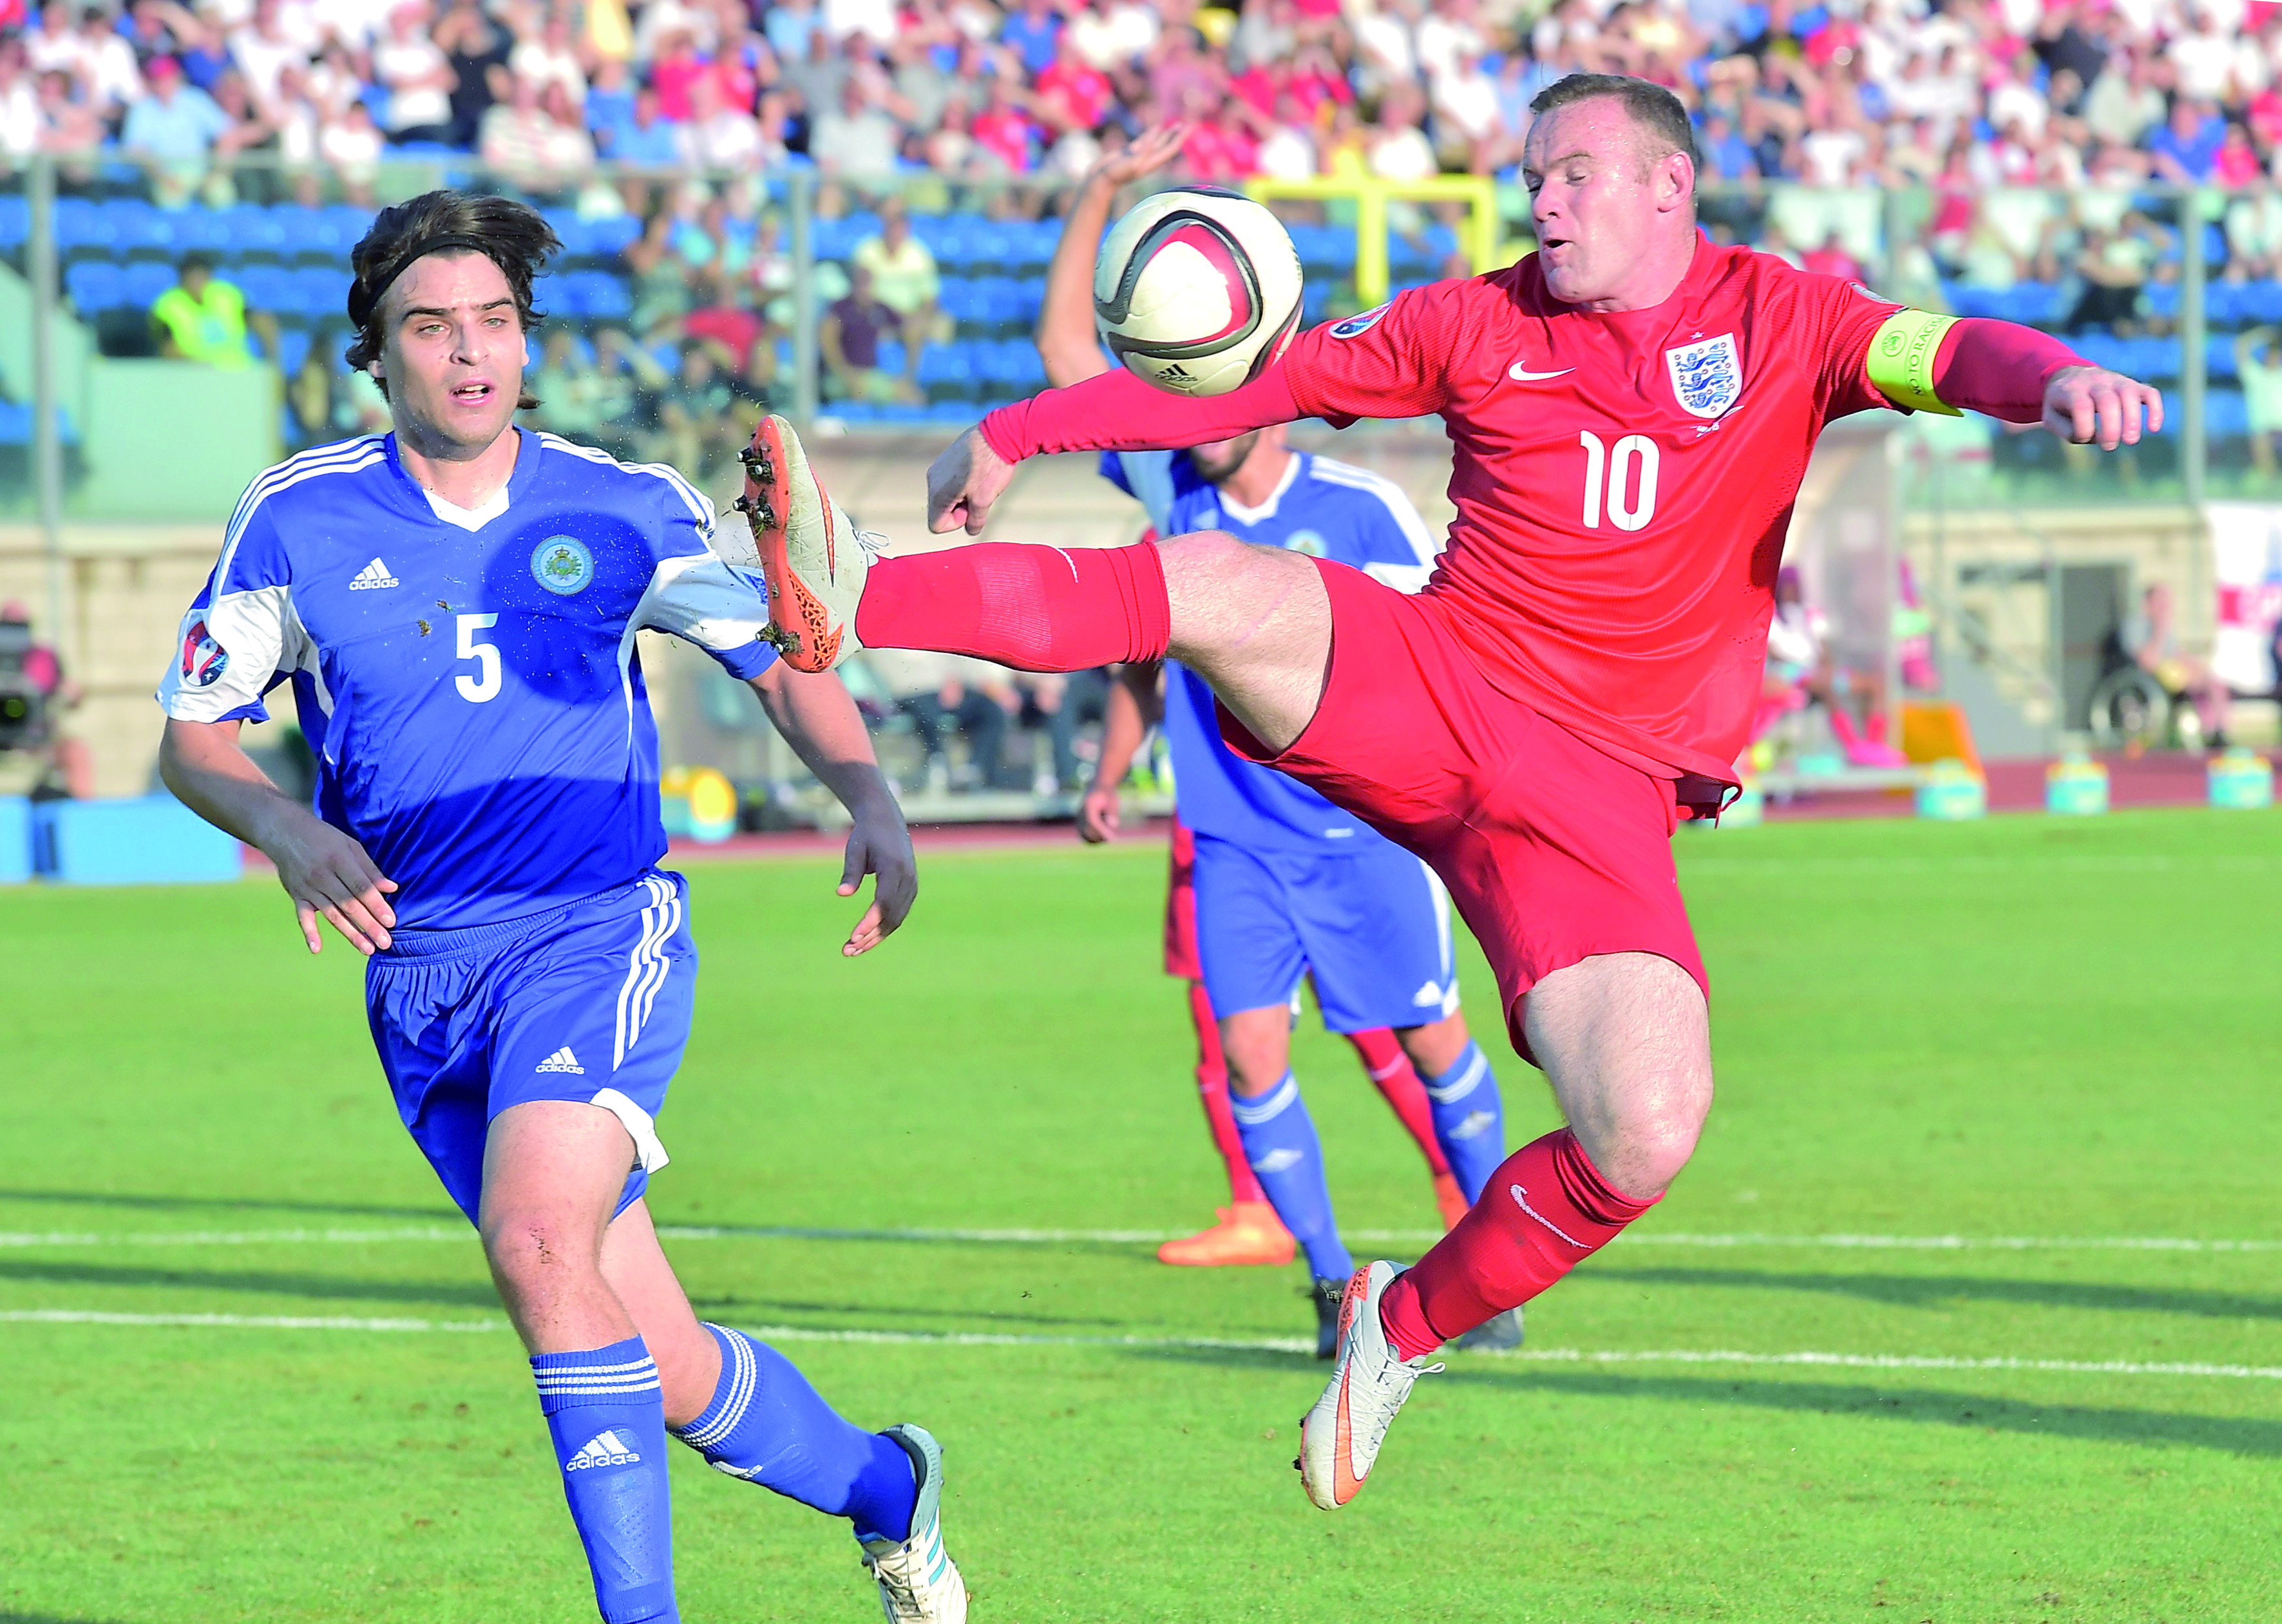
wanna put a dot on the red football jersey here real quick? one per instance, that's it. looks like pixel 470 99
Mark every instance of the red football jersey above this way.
pixel 1624 481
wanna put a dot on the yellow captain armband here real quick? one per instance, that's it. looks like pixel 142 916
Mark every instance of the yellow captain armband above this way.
pixel 1901 359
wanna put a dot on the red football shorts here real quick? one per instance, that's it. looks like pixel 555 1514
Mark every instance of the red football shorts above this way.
pixel 1181 908
pixel 1553 851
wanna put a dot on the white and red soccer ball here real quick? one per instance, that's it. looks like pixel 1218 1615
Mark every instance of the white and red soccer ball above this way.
pixel 1197 291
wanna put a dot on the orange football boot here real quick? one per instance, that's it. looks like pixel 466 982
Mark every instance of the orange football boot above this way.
pixel 1248 1232
pixel 1450 1199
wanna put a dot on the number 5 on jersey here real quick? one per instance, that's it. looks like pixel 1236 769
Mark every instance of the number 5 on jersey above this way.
pixel 1618 474
pixel 483 682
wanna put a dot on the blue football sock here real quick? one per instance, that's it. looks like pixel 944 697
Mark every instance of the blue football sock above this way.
pixel 607 1417
pixel 767 1426
pixel 1469 1120
pixel 1279 1141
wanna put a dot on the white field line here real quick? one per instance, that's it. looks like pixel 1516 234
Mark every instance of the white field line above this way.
pixel 1808 1358
pixel 2119 862
pixel 1143 1237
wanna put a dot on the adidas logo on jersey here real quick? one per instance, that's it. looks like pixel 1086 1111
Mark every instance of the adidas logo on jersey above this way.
pixel 562 1060
pixel 604 1448
pixel 373 575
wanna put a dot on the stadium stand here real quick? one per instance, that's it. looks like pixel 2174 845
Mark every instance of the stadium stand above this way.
pixel 2012 158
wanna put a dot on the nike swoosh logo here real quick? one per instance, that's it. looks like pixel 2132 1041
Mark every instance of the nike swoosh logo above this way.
pixel 1520 374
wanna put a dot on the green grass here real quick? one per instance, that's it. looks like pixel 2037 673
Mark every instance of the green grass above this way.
pixel 2025 1027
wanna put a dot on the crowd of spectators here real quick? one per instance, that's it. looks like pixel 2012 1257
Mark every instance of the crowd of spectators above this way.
pixel 1965 94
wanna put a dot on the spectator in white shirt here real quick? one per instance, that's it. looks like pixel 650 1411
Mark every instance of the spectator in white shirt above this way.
pixel 418 79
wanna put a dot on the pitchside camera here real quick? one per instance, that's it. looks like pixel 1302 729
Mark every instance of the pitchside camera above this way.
pixel 23 707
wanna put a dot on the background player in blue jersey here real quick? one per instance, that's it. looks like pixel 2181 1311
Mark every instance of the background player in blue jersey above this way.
pixel 1288 883
pixel 456 605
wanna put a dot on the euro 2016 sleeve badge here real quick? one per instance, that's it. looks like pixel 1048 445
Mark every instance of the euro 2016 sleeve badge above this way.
pixel 562 565
pixel 1707 377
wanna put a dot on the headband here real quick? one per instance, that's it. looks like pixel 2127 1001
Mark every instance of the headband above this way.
pixel 361 305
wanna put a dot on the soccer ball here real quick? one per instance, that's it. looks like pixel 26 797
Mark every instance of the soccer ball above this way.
pixel 1197 291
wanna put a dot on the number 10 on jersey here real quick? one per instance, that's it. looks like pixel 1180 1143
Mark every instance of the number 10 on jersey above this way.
pixel 1622 479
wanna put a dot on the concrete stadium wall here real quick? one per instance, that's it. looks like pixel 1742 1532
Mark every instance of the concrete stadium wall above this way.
pixel 126 585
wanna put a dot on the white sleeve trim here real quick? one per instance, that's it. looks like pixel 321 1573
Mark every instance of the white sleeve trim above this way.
pixel 700 599
pixel 227 653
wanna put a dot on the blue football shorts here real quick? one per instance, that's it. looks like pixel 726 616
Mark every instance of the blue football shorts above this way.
pixel 1371 927
pixel 588 1003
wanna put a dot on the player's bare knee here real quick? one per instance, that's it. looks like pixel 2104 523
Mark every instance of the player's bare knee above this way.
pixel 537 1252
pixel 1652 1132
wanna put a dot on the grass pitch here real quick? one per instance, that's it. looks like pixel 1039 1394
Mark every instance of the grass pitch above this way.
pixel 2053 1042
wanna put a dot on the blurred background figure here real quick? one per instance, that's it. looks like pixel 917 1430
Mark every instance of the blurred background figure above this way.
pixel 33 695
pixel 2150 639
pixel 203 318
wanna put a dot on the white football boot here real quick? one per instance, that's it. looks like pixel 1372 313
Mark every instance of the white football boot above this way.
pixel 1339 1437
pixel 814 561
pixel 919 1583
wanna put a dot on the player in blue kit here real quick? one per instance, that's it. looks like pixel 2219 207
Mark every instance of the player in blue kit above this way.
pixel 1287 884
pixel 455 605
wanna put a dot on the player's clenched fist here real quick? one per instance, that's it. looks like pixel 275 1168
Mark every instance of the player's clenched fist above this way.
pixel 328 873
pixel 963 482
pixel 2091 405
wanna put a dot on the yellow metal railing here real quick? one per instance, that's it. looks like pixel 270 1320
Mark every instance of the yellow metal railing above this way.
pixel 1371 196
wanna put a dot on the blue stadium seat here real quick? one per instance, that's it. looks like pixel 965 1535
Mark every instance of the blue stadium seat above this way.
pixel 81 223
pixel 139 225
pixel 2161 300
pixel 891 356
pixel 15 219
pixel 2226 413
pixel 254 230
pixel 960 301
pixel 323 290
pixel 614 235
pixel 269 287
pixel 16 424
pixel 93 285
pixel 2219 358
pixel 144 282
pixel 202 228
pixel 601 296
pixel 947 366
pixel 2257 303
pixel 849 411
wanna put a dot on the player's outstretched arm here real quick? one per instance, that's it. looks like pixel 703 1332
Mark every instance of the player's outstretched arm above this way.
pixel 820 721
pixel 323 870
pixel 2012 373
pixel 1067 342
pixel 1133 704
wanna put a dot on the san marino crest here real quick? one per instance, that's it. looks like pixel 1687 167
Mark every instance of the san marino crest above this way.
pixel 562 565
pixel 1708 376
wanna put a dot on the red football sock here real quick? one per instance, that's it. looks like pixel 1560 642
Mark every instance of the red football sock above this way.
pixel 1544 1210
pixel 1391 1073
pixel 1212 1088
pixel 1032 608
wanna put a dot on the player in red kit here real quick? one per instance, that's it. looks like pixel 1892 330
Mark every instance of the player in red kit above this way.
pixel 1630 409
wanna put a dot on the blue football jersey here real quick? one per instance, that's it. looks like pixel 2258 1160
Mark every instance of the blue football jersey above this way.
pixel 467 678
pixel 1323 508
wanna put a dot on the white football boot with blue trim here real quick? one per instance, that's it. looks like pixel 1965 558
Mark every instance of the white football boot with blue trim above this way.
pixel 919 1583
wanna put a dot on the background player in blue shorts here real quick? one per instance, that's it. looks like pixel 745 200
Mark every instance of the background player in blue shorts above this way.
pixel 455 605
pixel 1287 884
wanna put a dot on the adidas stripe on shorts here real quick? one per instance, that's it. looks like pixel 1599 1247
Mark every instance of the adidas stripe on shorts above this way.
pixel 589 1001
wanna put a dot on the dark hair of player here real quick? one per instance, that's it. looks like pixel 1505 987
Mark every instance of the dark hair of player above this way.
pixel 513 235
pixel 1655 112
